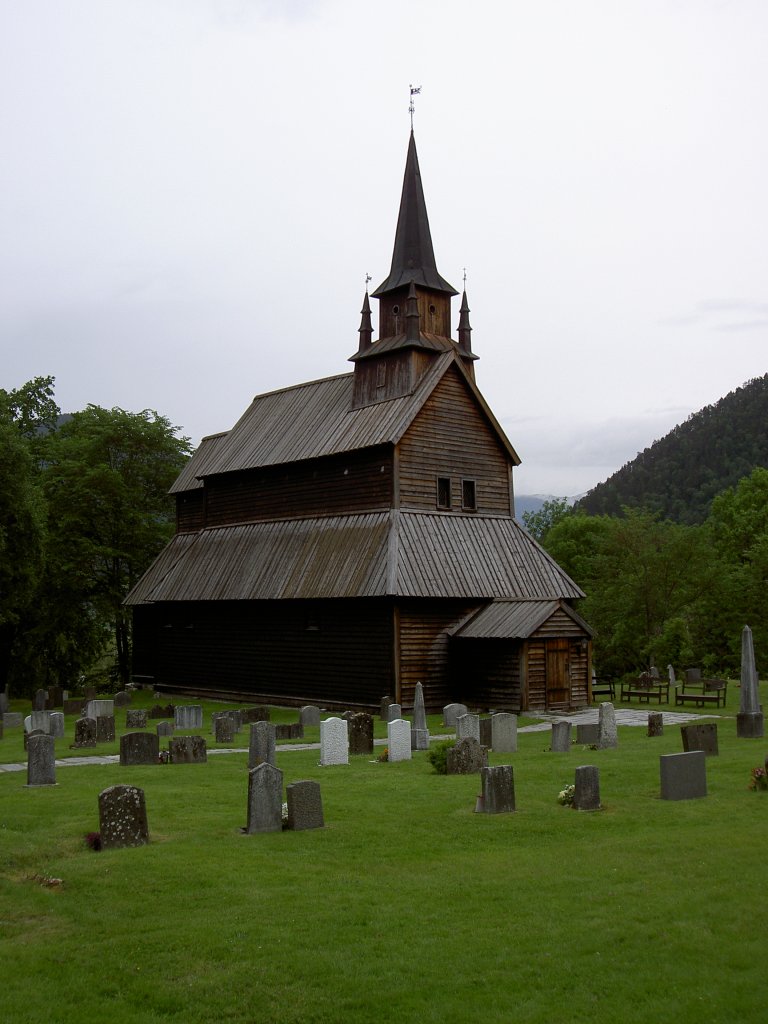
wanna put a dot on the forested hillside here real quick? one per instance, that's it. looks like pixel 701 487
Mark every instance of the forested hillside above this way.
pixel 680 474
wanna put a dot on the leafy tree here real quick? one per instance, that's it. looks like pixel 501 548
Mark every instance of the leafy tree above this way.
pixel 538 524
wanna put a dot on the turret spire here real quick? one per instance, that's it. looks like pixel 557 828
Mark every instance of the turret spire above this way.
pixel 366 326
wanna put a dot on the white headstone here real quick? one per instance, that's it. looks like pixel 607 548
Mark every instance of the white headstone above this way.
pixel 468 726
pixel 334 741
pixel 399 740
pixel 451 712
pixel 503 733
pixel 99 709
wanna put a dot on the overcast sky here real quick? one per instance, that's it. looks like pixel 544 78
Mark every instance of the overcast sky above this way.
pixel 192 192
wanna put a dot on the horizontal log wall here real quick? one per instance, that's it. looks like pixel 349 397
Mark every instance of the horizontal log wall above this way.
pixel 488 673
pixel 424 649
pixel 451 438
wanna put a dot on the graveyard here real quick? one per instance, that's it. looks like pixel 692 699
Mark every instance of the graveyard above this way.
pixel 406 905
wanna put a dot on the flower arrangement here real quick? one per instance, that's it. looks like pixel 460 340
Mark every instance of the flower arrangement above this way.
pixel 758 779
pixel 384 755
pixel 565 796
pixel 284 816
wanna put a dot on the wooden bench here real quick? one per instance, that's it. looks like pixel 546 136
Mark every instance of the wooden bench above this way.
pixel 708 691
pixel 644 688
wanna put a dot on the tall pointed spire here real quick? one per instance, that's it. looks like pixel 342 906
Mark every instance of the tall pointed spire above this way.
pixel 413 258
pixel 465 331
pixel 366 326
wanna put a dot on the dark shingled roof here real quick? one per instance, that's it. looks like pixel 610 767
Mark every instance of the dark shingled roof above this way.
pixel 505 619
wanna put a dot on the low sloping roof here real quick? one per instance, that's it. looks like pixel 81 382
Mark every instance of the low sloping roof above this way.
pixel 514 620
pixel 312 420
pixel 402 554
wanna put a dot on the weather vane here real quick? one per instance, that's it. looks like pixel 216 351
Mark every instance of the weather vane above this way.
pixel 367 281
pixel 411 108
pixel 465 278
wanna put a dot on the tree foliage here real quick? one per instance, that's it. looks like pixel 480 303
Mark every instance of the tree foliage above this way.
pixel 539 523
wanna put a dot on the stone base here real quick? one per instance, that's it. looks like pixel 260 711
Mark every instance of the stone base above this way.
pixel 749 726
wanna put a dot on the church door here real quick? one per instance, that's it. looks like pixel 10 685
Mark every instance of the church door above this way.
pixel 558 674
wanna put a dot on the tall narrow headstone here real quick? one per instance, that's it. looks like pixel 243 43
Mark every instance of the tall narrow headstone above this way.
pixel 498 789
pixel 468 726
pixel 607 735
pixel 139 748
pixel 419 731
pixel 265 799
pixel 334 742
pixel 41 761
pixel 122 817
pixel 309 715
pixel 360 733
pixel 305 806
pixel 399 740
pixel 261 745
pixel 749 720
pixel 57 724
pixel 586 796
pixel 384 708
pixel 486 732
pixel 655 723
pixel 503 733
pixel 683 776
pixel 451 712
pixel 561 737
pixel 105 728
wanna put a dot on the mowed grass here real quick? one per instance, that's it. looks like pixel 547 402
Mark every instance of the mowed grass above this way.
pixel 407 906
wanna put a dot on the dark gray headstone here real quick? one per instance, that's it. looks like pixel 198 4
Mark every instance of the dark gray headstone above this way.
pixel 608 735
pixel 188 749
pixel 162 711
pixel 749 725
pixel 655 723
pixel 257 713
pixel 700 736
pixel 135 718
pixel 39 700
pixel 586 795
pixel 85 732
pixel 164 728
pixel 265 799
pixel 55 697
pixel 122 699
pixel 394 713
pixel 73 706
pixel 105 729
pixel 498 789
pixel 35 732
pixel 466 757
pixel 261 747
pixel 223 729
pixel 41 761
pixel 4 701
pixel 122 817
pixel 561 737
pixel 384 708
pixel 310 715
pixel 486 732
pixel 289 731
pixel 305 806
pixel 361 733
pixel 683 776
pixel 587 733
pixel 139 748
pixel 451 712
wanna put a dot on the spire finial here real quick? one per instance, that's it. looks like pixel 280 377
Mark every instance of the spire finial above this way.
pixel 415 90
pixel 367 282
pixel 465 278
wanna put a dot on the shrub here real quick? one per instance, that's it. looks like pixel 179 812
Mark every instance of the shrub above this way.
pixel 438 756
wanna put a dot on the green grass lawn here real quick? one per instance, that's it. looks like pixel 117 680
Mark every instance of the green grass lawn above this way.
pixel 406 907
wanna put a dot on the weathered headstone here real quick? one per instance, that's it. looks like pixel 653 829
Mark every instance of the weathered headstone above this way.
pixel 587 733
pixel 419 730
pixel 384 708
pixel 41 761
pixel 394 713
pixel 586 796
pixel 309 715
pixel 100 708
pixel 223 729
pixel 39 721
pixel 466 757
pixel 607 733
pixel 289 731
pixel 164 728
pixel 39 700
pixel 451 712
pixel 486 732
pixel 655 723
pixel 122 699
pixel 188 716
pixel 55 697
pixel 261 744
pixel 265 799
pixel 35 732
pixel 360 733
pixel 503 733
pixel 139 748
pixel 161 711
pixel 498 789
pixel 12 719
pixel 188 749
pixel 561 736
pixel 334 742
pixel 4 701
pixel 2 727
pixel 122 817
pixel 57 724
pixel 90 693
pixel 256 713
pixel 105 728
pixel 305 806
pixel 85 732
pixel 468 725
pixel 749 720
pixel 73 706
pixel 237 719
pixel 399 740
pixel 135 718
pixel 683 776
pixel 700 736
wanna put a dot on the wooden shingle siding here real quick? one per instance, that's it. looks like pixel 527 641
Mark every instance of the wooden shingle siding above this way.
pixel 558 625
pixel 424 641
pixel 450 437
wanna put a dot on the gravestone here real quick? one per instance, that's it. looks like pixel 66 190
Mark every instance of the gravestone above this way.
pixel 655 723
pixel 136 718
pixel 261 744
pixel 265 799
pixel 188 749
pixel 74 706
pixel 55 697
pixel 39 721
pixel 289 731
pixel 586 795
pixel 701 736
pixel 451 712
pixel 749 720
pixel 561 737
pixel 503 733
pixel 35 732
pixel 587 733
pixel 683 776
pixel 188 716
pixel 39 700
pixel 237 719
pixel 334 742
pixel 162 711
pixel 41 761
pixel 56 722
pixel 122 699
pixel 309 715
pixel 486 732
pixel 305 806
pixel 100 709
pixel 384 708
pixel 607 733
pixel 394 713
pixel 90 693
pixel 498 789
pixel 164 728
pixel 85 732
pixel 2 727
pixel 419 730
pixel 122 817
pixel 468 726
pixel 399 740
pixel 360 733
pixel 223 729
pixel 139 748
pixel 105 728
pixel 4 702
pixel 12 719
pixel 466 757
pixel 257 713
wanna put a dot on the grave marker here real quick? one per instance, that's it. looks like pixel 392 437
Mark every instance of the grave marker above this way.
pixel 187 749
pixel 504 733
pixel 136 718
pixel 498 789
pixel 305 806
pixel 309 715
pixel 607 733
pixel 334 742
pixel 683 776
pixel 399 740
pixel 188 716
pixel 261 745
pixel 466 757
pixel 561 737
pixel 451 712
pixel 468 726
pixel 265 799
pixel 122 817
pixel 85 732
pixel 587 789
pixel 139 748
pixel 41 761
pixel 360 733
pixel 700 736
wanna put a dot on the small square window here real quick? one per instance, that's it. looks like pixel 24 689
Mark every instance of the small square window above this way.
pixel 468 495
pixel 443 492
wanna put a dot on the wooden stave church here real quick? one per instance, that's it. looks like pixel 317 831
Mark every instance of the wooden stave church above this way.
pixel 352 536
